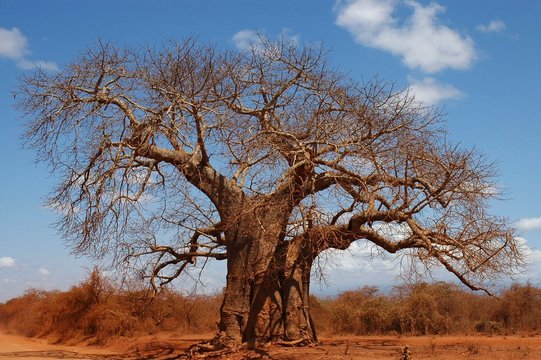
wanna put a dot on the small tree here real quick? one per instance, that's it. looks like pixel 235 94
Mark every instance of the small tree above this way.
pixel 262 158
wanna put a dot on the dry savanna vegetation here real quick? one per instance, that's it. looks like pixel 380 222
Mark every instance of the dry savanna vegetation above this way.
pixel 97 310
pixel 434 320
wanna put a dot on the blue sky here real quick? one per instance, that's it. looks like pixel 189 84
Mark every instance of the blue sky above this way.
pixel 479 60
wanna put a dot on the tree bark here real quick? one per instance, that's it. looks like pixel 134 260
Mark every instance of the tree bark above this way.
pixel 251 276
pixel 267 291
pixel 298 323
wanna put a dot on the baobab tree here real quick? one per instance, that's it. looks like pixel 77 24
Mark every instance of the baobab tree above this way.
pixel 262 158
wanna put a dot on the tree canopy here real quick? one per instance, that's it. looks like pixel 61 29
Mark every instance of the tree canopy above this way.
pixel 263 158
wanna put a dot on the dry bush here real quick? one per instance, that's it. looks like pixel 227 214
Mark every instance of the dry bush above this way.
pixel 78 312
pixel 29 314
pixel 96 310
pixel 320 310
pixel 361 312
pixel 473 348
pixel 520 309
pixel 438 308
pixel 425 309
pixel 104 321
pixel 171 311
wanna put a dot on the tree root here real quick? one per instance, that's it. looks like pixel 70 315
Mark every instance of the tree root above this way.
pixel 222 346
pixel 216 348
pixel 298 342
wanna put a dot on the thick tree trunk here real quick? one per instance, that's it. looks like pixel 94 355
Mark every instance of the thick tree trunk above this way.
pixel 267 290
pixel 252 285
pixel 298 323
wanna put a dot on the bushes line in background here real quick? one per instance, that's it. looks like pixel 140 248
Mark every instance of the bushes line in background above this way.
pixel 430 309
pixel 97 310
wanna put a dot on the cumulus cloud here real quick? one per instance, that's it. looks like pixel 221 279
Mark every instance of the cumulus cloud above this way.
pixel 533 262
pixel 528 224
pixel 422 41
pixel 360 265
pixel 431 92
pixel 360 257
pixel 44 272
pixel 494 26
pixel 6 262
pixel 14 46
pixel 246 39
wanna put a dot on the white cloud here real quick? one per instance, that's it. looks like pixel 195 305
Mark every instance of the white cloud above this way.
pixel 246 39
pixel 7 261
pixel 14 46
pixel 45 65
pixel 430 92
pixel 532 272
pixel 361 257
pixel 360 265
pixel 251 39
pixel 44 272
pixel 393 230
pixel 421 41
pixel 528 224
pixel 363 263
pixel 494 26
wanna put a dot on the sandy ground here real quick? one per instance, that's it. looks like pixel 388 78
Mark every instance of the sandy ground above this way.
pixel 17 347
pixel 167 346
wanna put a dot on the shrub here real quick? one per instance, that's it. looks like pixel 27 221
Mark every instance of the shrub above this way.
pixel 97 310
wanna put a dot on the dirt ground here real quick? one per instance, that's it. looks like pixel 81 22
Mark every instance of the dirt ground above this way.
pixel 18 347
pixel 167 346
